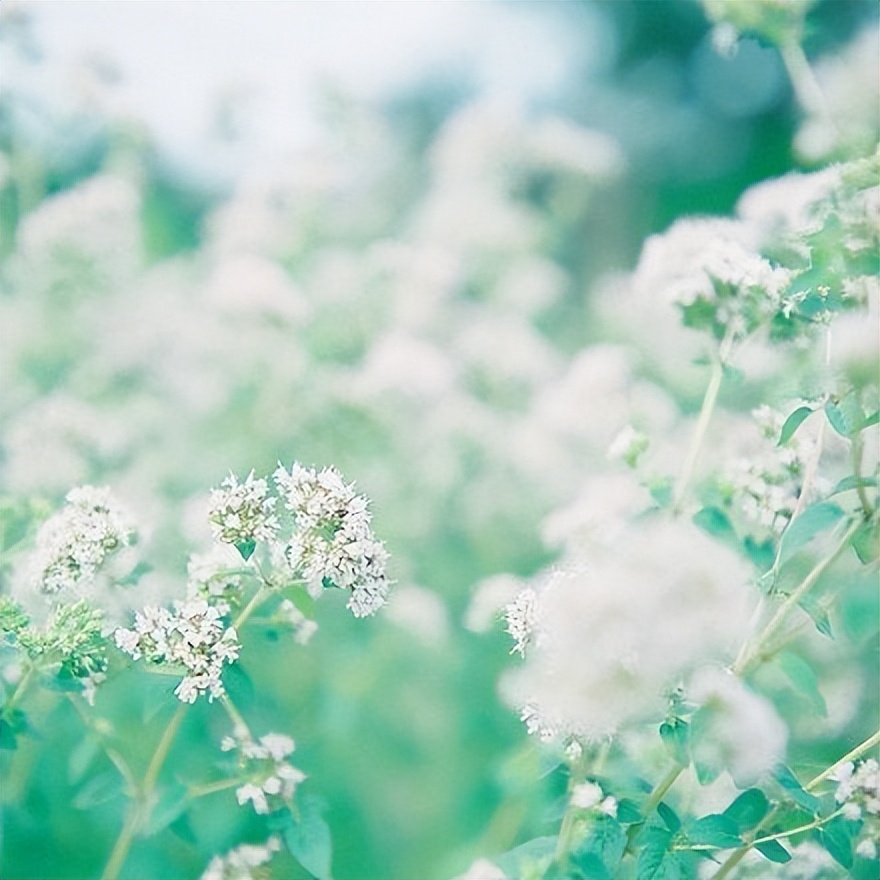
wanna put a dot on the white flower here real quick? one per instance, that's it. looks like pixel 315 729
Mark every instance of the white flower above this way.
pixel 195 636
pixel 586 795
pixel 521 616
pixel 254 794
pixel 243 512
pixel 238 863
pixel 73 543
pixel 278 746
pixel 742 732
pixel 334 542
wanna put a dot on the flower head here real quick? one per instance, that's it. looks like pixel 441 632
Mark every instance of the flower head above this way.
pixel 243 513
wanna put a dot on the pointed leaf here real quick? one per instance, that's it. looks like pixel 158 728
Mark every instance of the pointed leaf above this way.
pixel 792 423
pixel 655 843
pixel 716 829
pixel 815 519
pixel 748 809
pixel 773 850
pixel 308 838
pixel 795 790
pixel 669 817
pixel 802 676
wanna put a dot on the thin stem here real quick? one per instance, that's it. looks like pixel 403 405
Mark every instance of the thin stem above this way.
pixel 860 749
pixel 138 810
pixel 736 857
pixel 20 688
pixel 708 407
pixel 856 450
pixel 213 787
pixel 657 794
pixel 748 654
pixel 251 606
pixel 806 87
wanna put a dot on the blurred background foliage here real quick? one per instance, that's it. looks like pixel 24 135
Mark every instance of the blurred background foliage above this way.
pixel 400 304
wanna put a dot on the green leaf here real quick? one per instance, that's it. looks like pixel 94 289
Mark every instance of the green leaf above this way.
pixel 836 839
pixel 605 842
pixel 308 838
pixel 707 770
pixel 868 421
pixel 591 867
pixel 815 519
pixel 795 790
pixel 628 812
pixel 539 851
pixel 851 482
pixel 818 615
pixel 8 737
pixel 762 555
pixel 802 676
pixel 839 420
pixel 792 423
pixel 183 829
pixel 675 735
pixel 866 542
pixel 716 829
pixel 669 817
pixel 716 523
pixel 773 850
pixel 748 809
pixel 246 549
pixel 655 844
pixel 98 790
pixel 171 803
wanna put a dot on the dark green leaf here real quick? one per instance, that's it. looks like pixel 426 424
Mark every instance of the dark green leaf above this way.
pixel 627 812
pixel 836 839
pixel 795 790
pixel 308 838
pixel 716 829
pixel 815 519
pixel 591 867
pixel 655 843
pixel 605 841
pixel 773 850
pixel 669 817
pixel 675 735
pixel 8 738
pixel 246 549
pixel 792 423
pixel 748 809
pixel 183 829
pixel 802 676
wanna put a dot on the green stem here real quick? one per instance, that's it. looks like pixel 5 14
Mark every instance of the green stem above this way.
pixel 657 794
pixel 708 407
pixel 251 606
pixel 20 688
pixel 115 757
pixel 856 452
pixel 213 787
pixel 806 87
pixel 736 857
pixel 751 650
pixel 140 807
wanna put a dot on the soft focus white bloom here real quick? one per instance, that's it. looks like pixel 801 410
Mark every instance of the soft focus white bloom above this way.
pixel 614 636
pixel 303 628
pixel 194 636
pixel 483 869
pixel 214 573
pixel 238 864
pixel 867 848
pixel 73 543
pixel 586 795
pixel 488 600
pixel 859 785
pixel 243 512
pixel 421 612
pixel 742 733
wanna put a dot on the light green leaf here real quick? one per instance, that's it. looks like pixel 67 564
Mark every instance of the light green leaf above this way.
pixel 716 829
pixel 308 838
pixel 605 841
pixel 675 735
pixel 795 790
pixel 655 844
pixel 836 839
pixel 815 519
pixel 802 676
pixel 539 851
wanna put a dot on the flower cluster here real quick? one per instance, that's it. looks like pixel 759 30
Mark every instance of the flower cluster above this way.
pixel 333 544
pixel 521 615
pixel 272 780
pixel 858 788
pixel 72 544
pixel 766 482
pixel 238 864
pixel 243 513
pixel 194 636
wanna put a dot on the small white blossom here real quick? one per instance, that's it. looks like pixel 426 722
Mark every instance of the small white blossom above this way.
pixel 72 544
pixel 254 794
pixel 334 543
pixel 586 795
pixel 521 616
pixel 195 636
pixel 859 786
pixel 243 512
pixel 238 863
